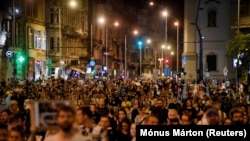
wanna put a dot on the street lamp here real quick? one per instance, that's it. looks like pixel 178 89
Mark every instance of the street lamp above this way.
pixel 165 14
pixel 172 53
pixel 72 3
pixel 148 41
pixel 116 24
pixel 140 48
pixel 177 46
pixel 151 3
pixel 207 88
pixel 102 20
pixel 135 32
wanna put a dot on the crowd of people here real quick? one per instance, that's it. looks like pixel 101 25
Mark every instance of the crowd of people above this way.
pixel 109 110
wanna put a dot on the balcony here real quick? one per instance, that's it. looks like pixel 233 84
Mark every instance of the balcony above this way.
pixel 54 53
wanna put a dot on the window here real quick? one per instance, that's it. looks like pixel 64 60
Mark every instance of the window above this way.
pixel 58 44
pixel 51 16
pixel 244 8
pixel 211 18
pixel 37 39
pixel 212 62
pixel 57 16
pixel 44 41
pixel 52 44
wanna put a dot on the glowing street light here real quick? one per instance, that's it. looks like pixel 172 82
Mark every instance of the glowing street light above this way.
pixel 101 20
pixel 177 45
pixel 151 3
pixel 148 41
pixel 162 57
pixel 135 32
pixel 72 3
pixel 116 24
pixel 165 13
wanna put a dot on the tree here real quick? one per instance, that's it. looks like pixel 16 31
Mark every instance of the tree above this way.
pixel 239 46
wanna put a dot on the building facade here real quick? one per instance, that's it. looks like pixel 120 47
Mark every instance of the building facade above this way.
pixel 215 18
pixel 27 40
pixel 67 25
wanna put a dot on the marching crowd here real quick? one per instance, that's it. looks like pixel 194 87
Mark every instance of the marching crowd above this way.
pixel 109 110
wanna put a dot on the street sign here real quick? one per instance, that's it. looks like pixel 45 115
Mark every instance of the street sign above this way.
pixel 225 71
pixel 9 54
pixel 184 59
pixel 92 63
pixel 167 72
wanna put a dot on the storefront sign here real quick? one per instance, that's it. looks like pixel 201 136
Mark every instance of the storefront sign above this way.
pixel 9 54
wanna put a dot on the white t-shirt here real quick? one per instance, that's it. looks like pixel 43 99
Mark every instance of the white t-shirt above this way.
pixel 57 137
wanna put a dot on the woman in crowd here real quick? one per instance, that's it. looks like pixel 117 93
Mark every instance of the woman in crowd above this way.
pixel 16 134
pixel 122 115
pixel 123 133
pixel 139 119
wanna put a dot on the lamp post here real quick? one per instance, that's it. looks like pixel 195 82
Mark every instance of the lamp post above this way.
pixel 102 20
pixel 172 54
pixel 165 14
pixel 162 58
pixel 207 88
pixel 140 48
pixel 125 56
pixel 177 46
pixel 147 49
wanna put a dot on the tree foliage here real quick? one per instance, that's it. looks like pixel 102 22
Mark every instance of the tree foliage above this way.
pixel 240 44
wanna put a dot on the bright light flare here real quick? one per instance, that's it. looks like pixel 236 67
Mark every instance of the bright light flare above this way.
pixel 165 13
pixel 135 32
pixel 72 3
pixel 101 20
pixel 148 41
pixel 116 24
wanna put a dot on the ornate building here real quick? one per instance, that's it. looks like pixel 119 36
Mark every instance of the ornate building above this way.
pixel 5 38
pixel 67 25
pixel 215 17
pixel 26 39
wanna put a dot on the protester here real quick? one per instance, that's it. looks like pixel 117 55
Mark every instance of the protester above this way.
pixel 109 110
pixel 65 120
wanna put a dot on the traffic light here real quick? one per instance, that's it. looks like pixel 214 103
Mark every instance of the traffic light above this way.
pixel 139 43
pixel 20 58
pixel 167 61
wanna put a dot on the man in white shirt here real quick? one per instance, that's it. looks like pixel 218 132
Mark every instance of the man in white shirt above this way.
pixel 65 120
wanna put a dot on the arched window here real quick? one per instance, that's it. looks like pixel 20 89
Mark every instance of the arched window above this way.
pixel 212 62
pixel 211 18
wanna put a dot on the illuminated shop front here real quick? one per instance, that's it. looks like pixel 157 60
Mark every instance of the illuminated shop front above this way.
pixel 39 69
pixel 37 64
